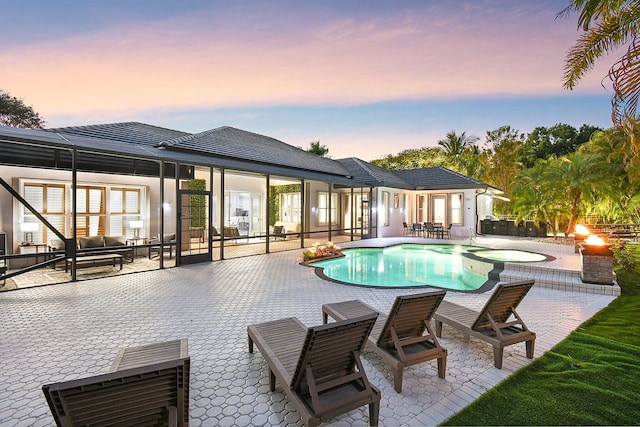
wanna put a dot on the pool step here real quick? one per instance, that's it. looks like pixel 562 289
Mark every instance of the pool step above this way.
pixel 554 278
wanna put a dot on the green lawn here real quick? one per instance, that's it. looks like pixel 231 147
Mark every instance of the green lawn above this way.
pixel 590 378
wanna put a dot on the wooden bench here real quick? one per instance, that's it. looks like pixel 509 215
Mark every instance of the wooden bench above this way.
pixel 93 260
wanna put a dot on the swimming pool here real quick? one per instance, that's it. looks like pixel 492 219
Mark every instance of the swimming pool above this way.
pixel 455 267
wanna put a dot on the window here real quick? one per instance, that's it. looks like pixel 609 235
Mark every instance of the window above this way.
pixel 290 207
pixel 91 211
pixel 323 208
pixel 439 208
pixel 407 209
pixel 456 208
pixel 48 200
pixel 100 209
pixel 124 207
pixel 385 211
pixel 422 208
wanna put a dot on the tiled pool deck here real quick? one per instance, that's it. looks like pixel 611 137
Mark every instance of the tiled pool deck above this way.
pixel 73 330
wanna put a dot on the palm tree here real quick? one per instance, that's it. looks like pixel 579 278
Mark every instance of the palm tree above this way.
pixel 454 144
pixel 316 148
pixel 608 25
pixel 616 197
pixel 580 175
pixel 538 198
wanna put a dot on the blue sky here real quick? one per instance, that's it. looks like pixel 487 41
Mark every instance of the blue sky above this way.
pixel 365 78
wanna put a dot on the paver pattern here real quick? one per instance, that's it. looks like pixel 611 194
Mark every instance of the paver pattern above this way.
pixel 73 330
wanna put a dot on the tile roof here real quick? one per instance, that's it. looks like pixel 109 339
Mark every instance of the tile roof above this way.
pixel 370 174
pixel 233 148
pixel 438 178
pixel 230 142
pixel 132 132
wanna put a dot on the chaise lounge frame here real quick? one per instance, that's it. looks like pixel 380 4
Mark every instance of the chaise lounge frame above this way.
pixel 319 367
pixel 146 385
pixel 399 339
pixel 152 395
pixel 492 324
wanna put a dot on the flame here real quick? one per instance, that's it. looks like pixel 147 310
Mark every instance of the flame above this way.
pixel 594 240
pixel 581 229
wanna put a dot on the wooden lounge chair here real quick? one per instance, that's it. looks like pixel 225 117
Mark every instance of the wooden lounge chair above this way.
pixel 493 323
pixel 319 368
pixel 151 395
pixel 399 339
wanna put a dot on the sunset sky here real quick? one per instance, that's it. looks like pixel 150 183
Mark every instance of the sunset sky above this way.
pixel 366 78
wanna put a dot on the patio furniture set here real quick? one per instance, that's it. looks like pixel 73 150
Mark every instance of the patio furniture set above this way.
pixel 427 229
pixel 319 368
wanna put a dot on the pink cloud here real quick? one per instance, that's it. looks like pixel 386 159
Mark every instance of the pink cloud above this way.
pixel 191 62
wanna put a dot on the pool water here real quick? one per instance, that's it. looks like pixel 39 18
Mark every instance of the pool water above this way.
pixel 415 265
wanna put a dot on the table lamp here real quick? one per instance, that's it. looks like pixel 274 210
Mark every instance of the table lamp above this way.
pixel 136 225
pixel 28 228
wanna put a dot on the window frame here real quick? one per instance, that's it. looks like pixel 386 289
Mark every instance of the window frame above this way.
pixel 386 209
pixel 323 214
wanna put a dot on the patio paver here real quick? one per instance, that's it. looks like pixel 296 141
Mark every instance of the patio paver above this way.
pixel 73 330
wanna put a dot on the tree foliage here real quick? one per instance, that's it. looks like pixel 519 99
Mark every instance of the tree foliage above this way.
pixel 454 144
pixel 608 25
pixel 424 157
pixel 555 175
pixel 556 141
pixel 320 150
pixel 14 112
pixel 502 160
pixel 538 198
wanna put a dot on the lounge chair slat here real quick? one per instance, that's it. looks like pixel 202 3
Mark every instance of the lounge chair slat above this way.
pixel 409 319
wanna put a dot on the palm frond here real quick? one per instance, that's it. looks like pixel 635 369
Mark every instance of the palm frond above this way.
pixel 590 46
pixel 625 78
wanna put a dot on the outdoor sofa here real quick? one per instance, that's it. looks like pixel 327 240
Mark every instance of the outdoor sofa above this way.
pixel 94 250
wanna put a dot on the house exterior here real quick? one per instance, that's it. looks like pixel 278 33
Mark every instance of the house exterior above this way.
pixel 211 190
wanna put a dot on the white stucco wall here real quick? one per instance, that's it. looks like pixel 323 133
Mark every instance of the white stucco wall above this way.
pixel 395 227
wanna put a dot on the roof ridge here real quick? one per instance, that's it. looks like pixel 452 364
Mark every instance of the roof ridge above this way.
pixel 460 175
pixel 368 169
pixel 220 128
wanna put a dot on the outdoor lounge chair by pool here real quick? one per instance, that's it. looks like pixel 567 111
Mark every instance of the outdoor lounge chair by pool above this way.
pixel 146 385
pixel 399 339
pixel 319 368
pixel 492 323
pixel 150 395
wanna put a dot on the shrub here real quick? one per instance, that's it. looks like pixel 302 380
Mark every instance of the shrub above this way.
pixel 318 251
pixel 623 255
